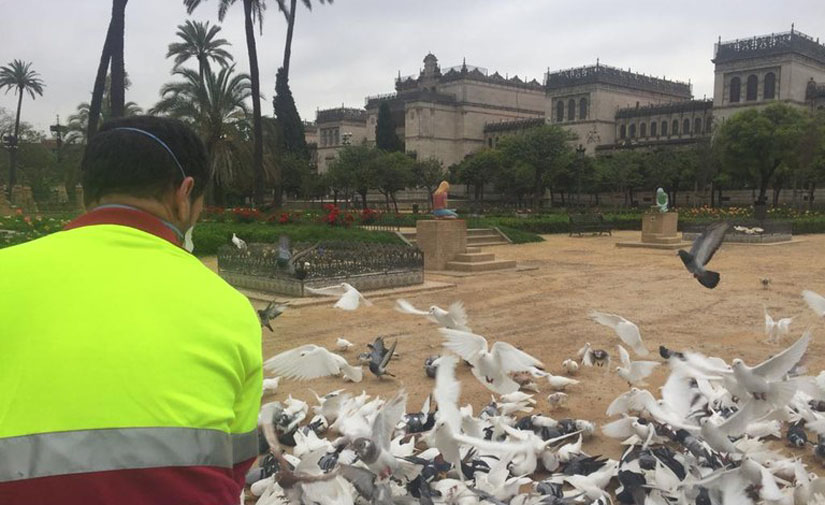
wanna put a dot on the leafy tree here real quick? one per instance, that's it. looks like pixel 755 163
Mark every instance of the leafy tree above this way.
pixel 253 11
pixel 385 137
pixel 515 181
pixel 757 145
pixel 480 169
pixel 354 169
pixel 78 125
pixel 622 172
pixel 809 164
pixel 295 172
pixel 428 174
pixel 199 41
pixel 216 108
pixel 19 76
pixel 393 172
pixel 292 128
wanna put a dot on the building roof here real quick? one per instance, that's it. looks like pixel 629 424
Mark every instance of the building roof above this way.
pixel 665 108
pixel 515 124
pixel 769 45
pixel 606 74
pixel 341 114
pixel 467 72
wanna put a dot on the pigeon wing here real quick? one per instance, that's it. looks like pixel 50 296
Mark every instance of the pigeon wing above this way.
pixel 624 357
pixel 349 301
pixel 406 307
pixel 327 291
pixel 361 479
pixel 388 355
pixel 815 301
pixel 641 369
pixel 467 345
pixel 776 367
pixel 458 314
pixel 305 362
pixel 447 391
pixel 387 418
pixel 513 360
pixel 708 243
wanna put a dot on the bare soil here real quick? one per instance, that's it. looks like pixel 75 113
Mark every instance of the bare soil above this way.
pixel 544 312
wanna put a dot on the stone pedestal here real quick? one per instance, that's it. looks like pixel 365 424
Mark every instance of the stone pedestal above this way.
pixel 78 198
pixel 440 241
pixel 660 228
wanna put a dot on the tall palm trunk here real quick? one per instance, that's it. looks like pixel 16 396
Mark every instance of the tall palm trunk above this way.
pixel 118 69
pixel 16 146
pixel 258 157
pixel 288 45
pixel 100 84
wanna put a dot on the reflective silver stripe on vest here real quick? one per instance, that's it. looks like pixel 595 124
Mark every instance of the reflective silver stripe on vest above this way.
pixel 68 452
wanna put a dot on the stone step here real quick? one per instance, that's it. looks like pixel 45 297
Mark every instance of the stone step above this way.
pixel 485 239
pixel 480 231
pixel 488 244
pixel 478 257
pixel 484 266
pixel 472 250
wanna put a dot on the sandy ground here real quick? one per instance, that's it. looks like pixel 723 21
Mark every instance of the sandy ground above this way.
pixel 544 312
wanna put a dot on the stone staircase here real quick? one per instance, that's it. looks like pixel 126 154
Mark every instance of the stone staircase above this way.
pixel 476 237
pixel 474 259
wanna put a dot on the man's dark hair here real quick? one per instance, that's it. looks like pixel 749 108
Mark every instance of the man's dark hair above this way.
pixel 132 163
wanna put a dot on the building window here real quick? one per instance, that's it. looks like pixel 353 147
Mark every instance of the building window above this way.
pixel 583 108
pixel 571 109
pixel 559 111
pixel 643 130
pixel 697 126
pixel 686 127
pixel 664 128
pixel 770 86
pixel 323 137
pixel 750 92
pixel 336 137
pixel 675 128
pixel 496 143
pixel 653 125
pixel 632 130
pixel 490 142
pixel 622 131
pixel 708 124
pixel 735 89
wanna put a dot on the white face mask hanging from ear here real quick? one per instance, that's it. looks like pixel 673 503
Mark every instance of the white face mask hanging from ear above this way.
pixel 187 239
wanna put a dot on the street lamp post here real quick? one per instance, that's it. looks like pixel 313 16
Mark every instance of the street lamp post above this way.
pixel 580 153
pixel 57 130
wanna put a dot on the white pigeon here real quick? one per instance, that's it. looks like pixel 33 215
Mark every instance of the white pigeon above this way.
pixel 343 344
pixel 557 382
pixel 749 231
pixel 775 330
pixel 349 297
pixel 448 418
pixel 815 301
pixel 454 318
pixel 765 380
pixel 239 242
pixel 634 372
pixel 625 330
pixel 491 368
pixel 270 385
pixel 310 362
pixel 570 366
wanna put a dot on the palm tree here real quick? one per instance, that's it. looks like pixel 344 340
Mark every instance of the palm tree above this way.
pixel 216 107
pixel 290 19
pixel 78 126
pixel 19 76
pixel 199 42
pixel 112 52
pixel 253 11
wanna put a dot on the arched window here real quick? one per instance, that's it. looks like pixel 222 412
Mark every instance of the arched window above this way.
pixel 708 124
pixel 770 86
pixel 583 108
pixel 664 127
pixel 643 130
pixel 571 109
pixel 632 130
pixel 697 126
pixel 675 129
pixel 735 89
pixel 753 84
pixel 653 125
pixel 622 132
pixel 686 126
pixel 559 111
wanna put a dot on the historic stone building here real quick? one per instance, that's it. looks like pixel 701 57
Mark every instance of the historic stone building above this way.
pixel 450 114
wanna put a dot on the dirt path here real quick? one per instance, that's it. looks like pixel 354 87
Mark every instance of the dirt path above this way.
pixel 544 312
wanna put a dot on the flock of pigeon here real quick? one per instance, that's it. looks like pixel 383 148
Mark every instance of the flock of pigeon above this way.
pixel 711 435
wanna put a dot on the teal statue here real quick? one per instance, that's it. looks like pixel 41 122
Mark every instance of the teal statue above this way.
pixel 661 200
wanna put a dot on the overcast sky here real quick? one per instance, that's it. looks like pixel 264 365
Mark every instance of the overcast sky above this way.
pixel 354 48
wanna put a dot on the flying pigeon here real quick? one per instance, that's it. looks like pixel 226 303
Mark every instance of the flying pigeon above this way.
pixel 380 356
pixel 269 313
pixel 374 450
pixel 815 301
pixel 454 318
pixel 343 344
pixel 634 372
pixel 702 251
pixel 491 367
pixel 626 330
pixel 310 362
pixel 775 330
pixel 239 242
pixel 350 298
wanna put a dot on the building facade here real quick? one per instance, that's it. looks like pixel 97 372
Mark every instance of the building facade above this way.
pixel 334 129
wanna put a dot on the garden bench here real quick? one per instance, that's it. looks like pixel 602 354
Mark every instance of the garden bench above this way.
pixel 588 222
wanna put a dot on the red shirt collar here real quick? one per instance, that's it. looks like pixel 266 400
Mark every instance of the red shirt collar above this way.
pixel 127 216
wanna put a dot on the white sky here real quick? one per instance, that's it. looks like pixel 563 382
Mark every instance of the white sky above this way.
pixel 354 48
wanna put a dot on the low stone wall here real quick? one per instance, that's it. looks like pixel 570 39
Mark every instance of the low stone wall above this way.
pixel 294 287
pixel 744 238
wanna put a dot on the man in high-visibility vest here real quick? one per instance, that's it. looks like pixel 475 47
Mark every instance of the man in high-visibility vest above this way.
pixel 129 372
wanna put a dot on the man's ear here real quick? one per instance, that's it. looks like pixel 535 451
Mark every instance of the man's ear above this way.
pixel 183 201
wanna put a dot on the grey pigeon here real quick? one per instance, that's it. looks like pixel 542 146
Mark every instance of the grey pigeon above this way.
pixel 271 311
pixel 380 357
pixel 702 251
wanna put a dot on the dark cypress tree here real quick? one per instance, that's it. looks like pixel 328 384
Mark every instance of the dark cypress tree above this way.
pixel 291 126
pixel 385 136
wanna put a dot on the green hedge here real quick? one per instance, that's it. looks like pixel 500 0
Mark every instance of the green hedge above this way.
pixel 209 236
pixel 517 236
